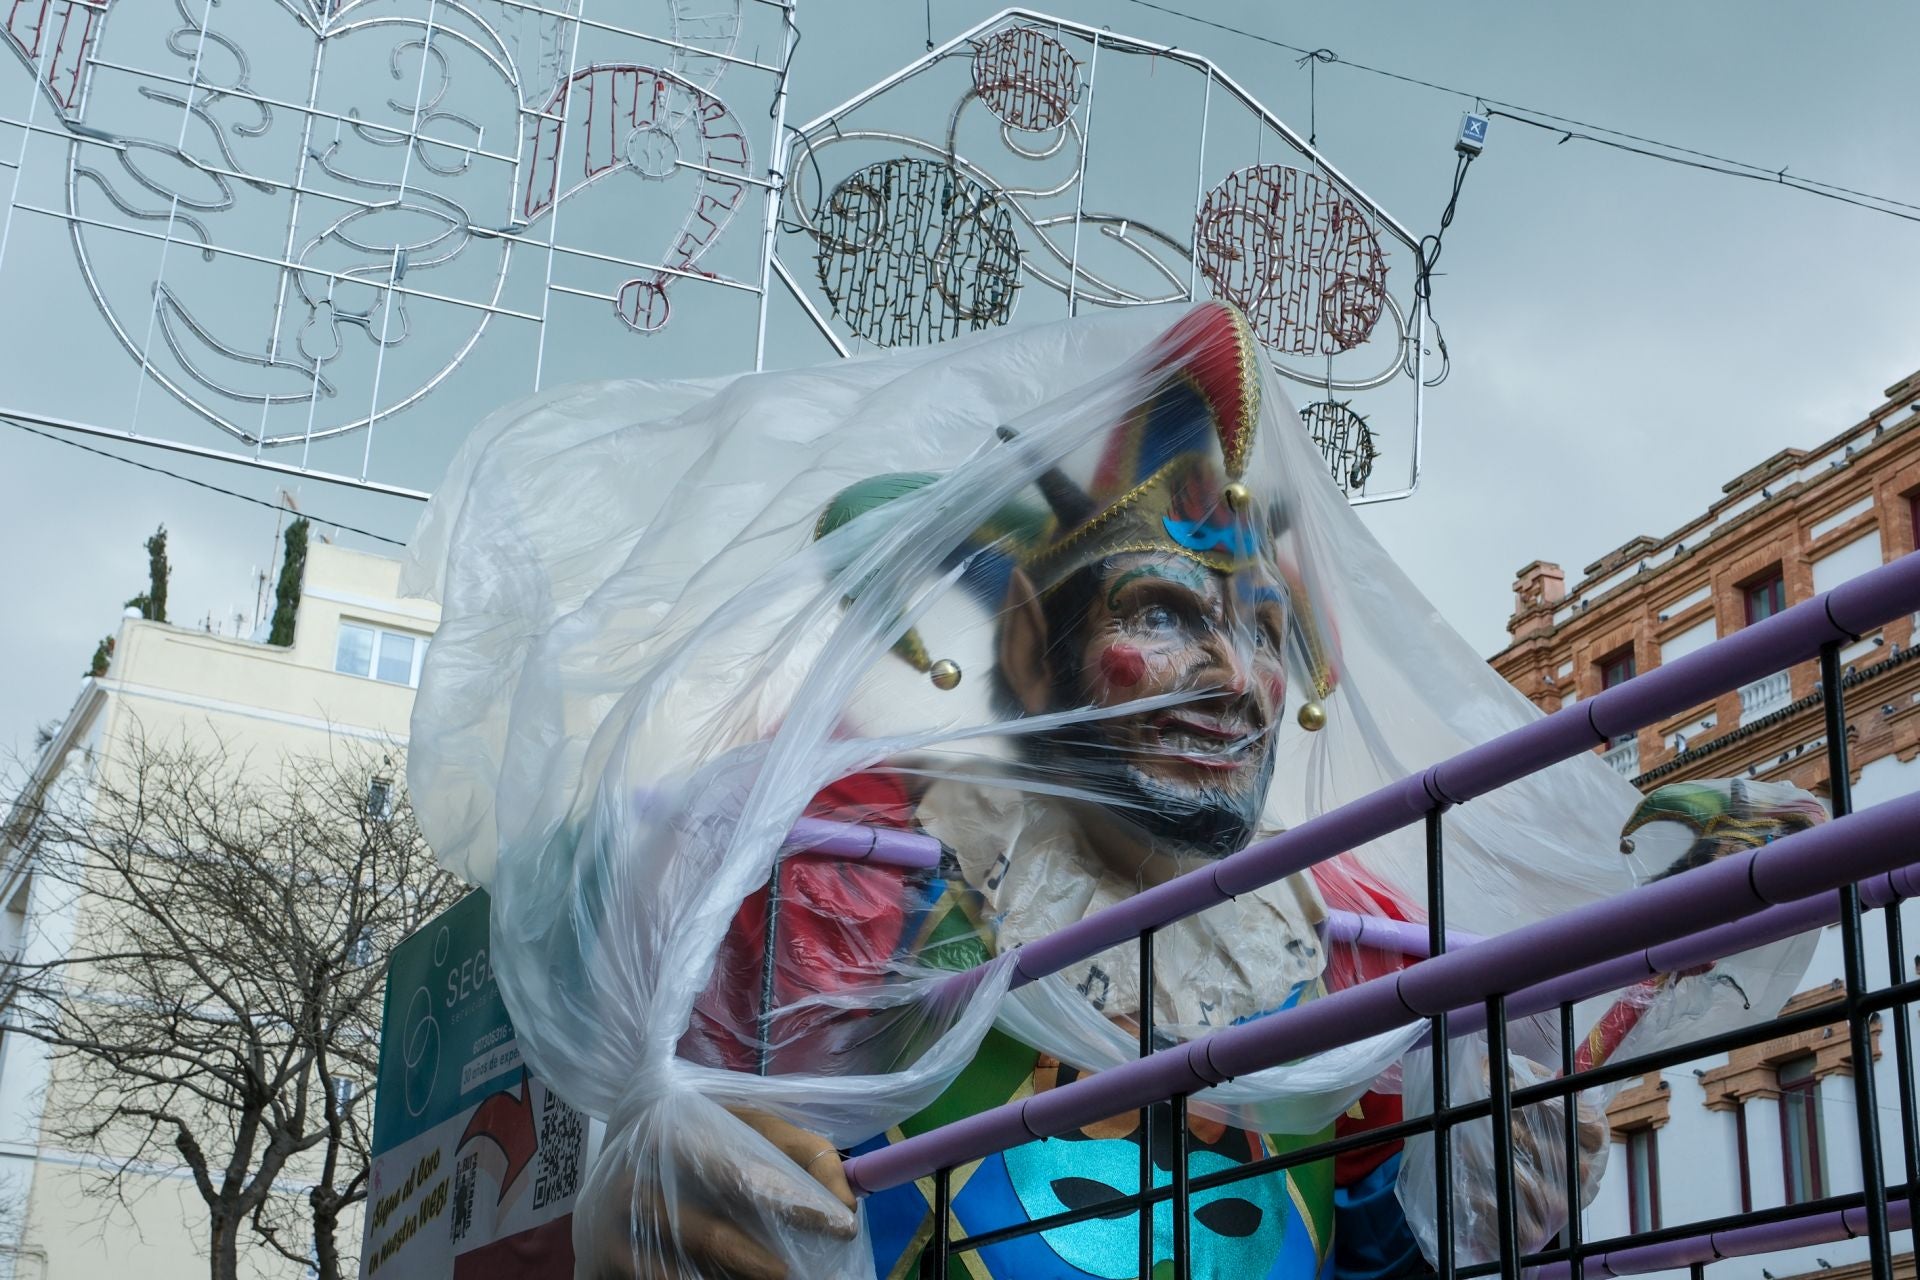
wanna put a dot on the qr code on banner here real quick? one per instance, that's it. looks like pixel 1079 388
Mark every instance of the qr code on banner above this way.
pixel 563 1132
pixel 463 1180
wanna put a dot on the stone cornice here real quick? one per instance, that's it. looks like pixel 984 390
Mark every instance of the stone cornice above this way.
pixel 1753 1071
pixel 1646 1105
pixel 1793 710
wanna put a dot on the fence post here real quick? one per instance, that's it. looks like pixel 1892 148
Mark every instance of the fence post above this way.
pixel 942 1199
pixel 1570 1130
pixel 1500 1086
pixel 1182 1242
pixel 1902 1044
pixel 1442 1054
pixel 1865 1096
pixel 1146 1112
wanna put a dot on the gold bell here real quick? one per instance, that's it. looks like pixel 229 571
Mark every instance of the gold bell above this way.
pixel 945 674
pixel 1238 496
pixel 1313 717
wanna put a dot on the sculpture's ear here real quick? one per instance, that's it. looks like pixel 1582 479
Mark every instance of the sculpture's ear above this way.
pixel 1023 645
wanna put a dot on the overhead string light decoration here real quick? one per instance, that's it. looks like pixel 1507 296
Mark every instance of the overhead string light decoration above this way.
pixel 1027 78
pixel 1344 441
pixel 1299 258
pixel 475 197
pixel 918 234
pixel 911 251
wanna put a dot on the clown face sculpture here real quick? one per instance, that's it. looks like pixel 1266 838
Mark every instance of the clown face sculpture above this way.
pixel 1057 604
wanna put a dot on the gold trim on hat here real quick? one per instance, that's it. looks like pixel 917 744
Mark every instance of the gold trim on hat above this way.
pixel 1322 670
pixel 1045 563
pixel 1111 512
pixel 1249 394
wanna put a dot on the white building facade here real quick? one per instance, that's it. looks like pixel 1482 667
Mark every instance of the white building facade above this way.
pixel 349 674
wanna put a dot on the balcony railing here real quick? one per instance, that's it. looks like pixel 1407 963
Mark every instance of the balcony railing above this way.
pixel 1625 758
pixel 1720 909
pixel 1764 696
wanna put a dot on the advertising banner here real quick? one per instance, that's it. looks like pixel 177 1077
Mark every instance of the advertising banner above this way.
pixel 475 1162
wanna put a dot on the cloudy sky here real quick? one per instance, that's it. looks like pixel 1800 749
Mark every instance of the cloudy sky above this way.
pixel 1626 335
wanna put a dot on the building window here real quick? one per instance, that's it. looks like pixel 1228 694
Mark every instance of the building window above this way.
pixel 1913 517
pixel 1765 597
pixel 1801 1152
pixel 392 656
pixel 1643 1181
pixel 1746 1163
pixel 1617 668
pixel 380 799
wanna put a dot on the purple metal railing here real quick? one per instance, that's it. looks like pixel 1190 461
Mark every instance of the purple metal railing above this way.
pixel 1845 613
pixel 1873 843
pixel 1735 1242
pixel 1710 912
pixel 850 842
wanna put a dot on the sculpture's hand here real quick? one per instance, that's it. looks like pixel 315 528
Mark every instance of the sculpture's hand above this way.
pixel 708 1217
pixel 1539 1169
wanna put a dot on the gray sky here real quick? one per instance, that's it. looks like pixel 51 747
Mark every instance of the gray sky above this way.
pixel 1626 335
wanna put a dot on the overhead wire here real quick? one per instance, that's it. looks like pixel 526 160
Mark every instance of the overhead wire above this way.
pixel 1779 178
pixel 1429 253
pixel 1708 161
pixel 1312 62
pixel 202 484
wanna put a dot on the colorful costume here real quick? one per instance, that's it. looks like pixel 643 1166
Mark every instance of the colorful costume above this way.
pixel 1020 868
pixel 1070 599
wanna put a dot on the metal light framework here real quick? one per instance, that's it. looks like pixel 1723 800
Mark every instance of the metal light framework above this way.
pixel 1297 256
pixel 1004 200
pixel 303 218
pixel 912 252
pixel 1344 440
pixel 1835 871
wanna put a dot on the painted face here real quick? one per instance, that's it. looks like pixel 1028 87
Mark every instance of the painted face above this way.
pixel 1160 624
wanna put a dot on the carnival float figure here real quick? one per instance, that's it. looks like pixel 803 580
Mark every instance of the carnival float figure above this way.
pixel 1074 608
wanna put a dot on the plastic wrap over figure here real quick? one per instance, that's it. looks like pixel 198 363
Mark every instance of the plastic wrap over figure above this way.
pixel 779 712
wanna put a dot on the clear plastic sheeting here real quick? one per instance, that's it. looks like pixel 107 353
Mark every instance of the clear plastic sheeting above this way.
pixel 1674 829
pixel 1061 612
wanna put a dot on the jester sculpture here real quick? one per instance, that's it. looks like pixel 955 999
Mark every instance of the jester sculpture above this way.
pixel 1071 610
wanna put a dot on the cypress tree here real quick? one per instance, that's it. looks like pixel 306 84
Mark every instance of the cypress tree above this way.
pixel 286 595
pixel 152 604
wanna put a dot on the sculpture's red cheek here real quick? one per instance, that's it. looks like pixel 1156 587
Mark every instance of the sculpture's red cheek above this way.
pixel 1276 692
pixel 1123 666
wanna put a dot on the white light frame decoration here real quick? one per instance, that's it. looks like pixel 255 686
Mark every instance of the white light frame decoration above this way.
pixel 1326 275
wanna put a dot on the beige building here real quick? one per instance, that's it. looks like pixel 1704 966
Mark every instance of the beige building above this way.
pixel 350 673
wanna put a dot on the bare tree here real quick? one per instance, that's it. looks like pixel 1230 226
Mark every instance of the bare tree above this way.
pixel 216 1001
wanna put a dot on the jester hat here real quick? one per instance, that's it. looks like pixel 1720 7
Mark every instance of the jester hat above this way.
pixel 1168 477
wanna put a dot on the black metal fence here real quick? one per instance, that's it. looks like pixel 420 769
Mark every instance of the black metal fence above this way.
pixel 1693 1245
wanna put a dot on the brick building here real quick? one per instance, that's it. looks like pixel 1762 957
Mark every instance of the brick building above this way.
pixel 1772 1124
pixel 1800 523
